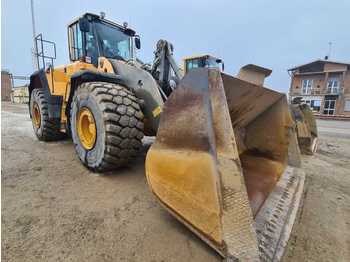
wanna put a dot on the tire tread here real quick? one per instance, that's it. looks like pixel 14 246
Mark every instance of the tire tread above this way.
pixel 50 127
pixel 122 136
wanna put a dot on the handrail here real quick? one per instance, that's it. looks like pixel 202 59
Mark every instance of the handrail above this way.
pixel 41 54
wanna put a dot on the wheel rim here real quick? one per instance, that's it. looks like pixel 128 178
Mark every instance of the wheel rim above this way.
pixel 36 116
pixel 86 128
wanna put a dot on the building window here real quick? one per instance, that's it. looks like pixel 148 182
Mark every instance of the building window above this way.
pixel 333 86
pixel 329 107
pixel 315 104
pixel 307 86
pixel 347 106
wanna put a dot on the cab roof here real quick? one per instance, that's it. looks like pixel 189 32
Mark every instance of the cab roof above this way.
pixel 98 17
pixel 201 56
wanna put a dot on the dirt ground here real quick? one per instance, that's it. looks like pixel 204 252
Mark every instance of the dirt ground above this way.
pixel 323 230
pixel 53 209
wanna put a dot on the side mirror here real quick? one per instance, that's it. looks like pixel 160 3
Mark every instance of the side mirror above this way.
pixel 84 24
pixel 223 66
pixel 137 42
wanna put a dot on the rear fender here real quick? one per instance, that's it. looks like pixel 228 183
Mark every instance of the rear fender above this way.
pixel 38 80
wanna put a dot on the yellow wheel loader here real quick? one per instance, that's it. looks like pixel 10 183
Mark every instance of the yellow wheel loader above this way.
pixel 103 99
pixel 306 127
pixel 225 159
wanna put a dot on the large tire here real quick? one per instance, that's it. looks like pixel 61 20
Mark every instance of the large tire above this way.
pixel 118 124
pixel 44 128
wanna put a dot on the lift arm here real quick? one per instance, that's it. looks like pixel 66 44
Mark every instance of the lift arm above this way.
pixel 162 66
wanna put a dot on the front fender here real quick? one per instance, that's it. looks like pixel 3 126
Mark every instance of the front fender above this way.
pixel 84 76
pixel 145 88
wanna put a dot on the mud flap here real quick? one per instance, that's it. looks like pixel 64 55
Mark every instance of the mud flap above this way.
pixel 221 149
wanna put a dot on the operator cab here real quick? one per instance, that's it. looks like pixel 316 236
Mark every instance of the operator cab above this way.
pixel 206 61
pixel 91 36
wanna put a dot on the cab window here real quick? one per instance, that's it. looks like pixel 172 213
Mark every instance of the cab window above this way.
pixel 114 42
pixel 91 47
pixel 75 42
pixel 194 63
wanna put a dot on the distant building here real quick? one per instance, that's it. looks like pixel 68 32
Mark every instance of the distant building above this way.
pixel 20 94
pixel 6 85
pixel 324 85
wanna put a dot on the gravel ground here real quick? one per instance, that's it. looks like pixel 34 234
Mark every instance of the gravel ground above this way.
pixel 53 209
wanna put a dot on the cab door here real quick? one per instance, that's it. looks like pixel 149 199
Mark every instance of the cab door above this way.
pixel 82 45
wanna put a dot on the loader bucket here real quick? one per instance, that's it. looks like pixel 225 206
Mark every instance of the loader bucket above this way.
pixel 219 163
pixel 306 128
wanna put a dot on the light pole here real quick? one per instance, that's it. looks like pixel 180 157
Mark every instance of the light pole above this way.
pixel 34 53
pixel 329 49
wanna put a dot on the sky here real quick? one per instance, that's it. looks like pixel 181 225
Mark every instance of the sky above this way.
pixel 271 33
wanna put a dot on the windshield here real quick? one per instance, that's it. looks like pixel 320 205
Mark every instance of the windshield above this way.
pixel 195 63
pixel 212 63
pixel 202 62
pixel 113 41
